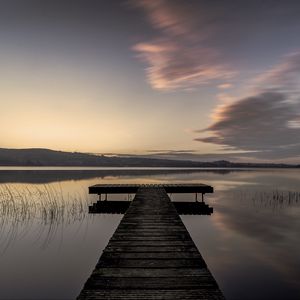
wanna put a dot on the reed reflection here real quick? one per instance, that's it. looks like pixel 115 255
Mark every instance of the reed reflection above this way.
pixel 43 209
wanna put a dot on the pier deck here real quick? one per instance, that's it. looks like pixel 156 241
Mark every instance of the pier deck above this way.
pixel 133 188
pixel 151 256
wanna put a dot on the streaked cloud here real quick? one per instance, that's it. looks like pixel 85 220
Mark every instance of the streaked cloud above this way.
pixel 169 16
pixel 285 77
pixel 225 86
pixel 267 122
pixel 179 56
pixel 172 65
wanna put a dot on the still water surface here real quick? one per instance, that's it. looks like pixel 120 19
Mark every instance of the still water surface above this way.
pixel 49 244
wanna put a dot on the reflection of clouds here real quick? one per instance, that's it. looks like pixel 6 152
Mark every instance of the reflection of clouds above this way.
pixel 224 185
pixel 269 236
pixel 252 222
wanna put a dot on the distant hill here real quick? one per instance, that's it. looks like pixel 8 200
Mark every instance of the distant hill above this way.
pixel 46 157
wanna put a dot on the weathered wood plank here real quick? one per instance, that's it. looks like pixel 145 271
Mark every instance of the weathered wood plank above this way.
pixel 151 272
pixel 159 238
pixel 151 263
pixel 159 294
pixel 153 248
pixel 148 243
pixel 153 255
pixel 97 281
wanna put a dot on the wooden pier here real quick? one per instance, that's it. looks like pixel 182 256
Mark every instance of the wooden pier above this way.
pixel 151 254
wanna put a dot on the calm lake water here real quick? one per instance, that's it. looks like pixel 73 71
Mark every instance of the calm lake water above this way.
pixel 49 244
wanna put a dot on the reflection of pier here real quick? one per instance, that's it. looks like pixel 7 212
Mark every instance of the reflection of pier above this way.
pixel 151 254
pixel 120 207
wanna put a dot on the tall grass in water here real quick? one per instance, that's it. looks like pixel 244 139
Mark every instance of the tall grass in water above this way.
pixel 39 209
pixel 269 199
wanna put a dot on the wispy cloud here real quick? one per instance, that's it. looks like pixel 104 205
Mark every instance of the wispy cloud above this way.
pixel 161 151
pixel 285 77
pixel 267 122
pixel 169 16
pixel 178 57
pixel 224 86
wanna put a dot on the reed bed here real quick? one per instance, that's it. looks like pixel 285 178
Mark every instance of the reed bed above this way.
pixel 39 209
pixel 274 199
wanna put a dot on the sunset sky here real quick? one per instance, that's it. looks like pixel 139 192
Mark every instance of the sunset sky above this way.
pixel 203 80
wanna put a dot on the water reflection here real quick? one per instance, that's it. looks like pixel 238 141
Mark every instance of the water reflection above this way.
pixel 43 209
pixel 35 175
pixel 258 240
pixel 251 242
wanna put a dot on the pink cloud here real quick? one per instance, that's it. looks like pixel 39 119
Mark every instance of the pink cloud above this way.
pixel 165 15
pixel 178 58
pixel 172 65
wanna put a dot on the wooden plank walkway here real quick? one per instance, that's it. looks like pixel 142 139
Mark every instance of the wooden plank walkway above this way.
pixel 151 256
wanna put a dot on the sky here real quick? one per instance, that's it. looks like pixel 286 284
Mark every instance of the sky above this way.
pixel 202 80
